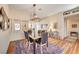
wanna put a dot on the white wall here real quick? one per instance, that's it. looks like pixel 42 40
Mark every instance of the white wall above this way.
pixel 50 20
pixel 16 35
pixel 69 25
pixel 60 20
pixel 4 35
pixel 21 16
pixel 61 25
pixel 9 35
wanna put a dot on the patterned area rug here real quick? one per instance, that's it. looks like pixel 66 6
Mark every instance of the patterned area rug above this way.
pixel 51 49
pixel 20 47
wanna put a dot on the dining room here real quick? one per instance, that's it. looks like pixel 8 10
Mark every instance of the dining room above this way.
pixel 34 29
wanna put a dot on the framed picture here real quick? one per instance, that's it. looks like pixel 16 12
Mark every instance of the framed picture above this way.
pixel 55 25
pixel 74 25
pixel 0 25
pixel 4 21
pixel 1 22
pixel 24 25
pixel 17 26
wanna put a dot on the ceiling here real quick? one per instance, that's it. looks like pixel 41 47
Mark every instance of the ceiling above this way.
pixel 73 17
pixel 43 10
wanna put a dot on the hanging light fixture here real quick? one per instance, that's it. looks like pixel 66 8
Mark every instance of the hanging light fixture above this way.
pixel 34 15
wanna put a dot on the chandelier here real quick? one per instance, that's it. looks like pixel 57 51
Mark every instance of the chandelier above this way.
pixel 34 15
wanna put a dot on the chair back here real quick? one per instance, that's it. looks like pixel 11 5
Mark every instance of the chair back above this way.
pixel 26 35
pixel 44 38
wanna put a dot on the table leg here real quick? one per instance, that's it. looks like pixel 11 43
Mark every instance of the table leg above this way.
pixel 34 47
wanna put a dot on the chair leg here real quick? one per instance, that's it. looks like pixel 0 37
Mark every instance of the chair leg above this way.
pixel 41 50
pixel 29 45
pixel 36 47
pixel 47 43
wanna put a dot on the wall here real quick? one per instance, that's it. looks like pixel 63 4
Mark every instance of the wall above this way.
pixel 9 35
pixel 61 25
pixel 50 20
pixel 60 20
pixel 69 25
pixel 18 16
pixel 4 35
pixel 17 35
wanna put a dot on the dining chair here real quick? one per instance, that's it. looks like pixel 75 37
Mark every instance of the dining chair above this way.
pixel 28 39
pixel 44 41
pixel 26 35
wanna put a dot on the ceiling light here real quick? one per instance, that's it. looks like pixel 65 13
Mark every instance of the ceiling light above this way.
pixel 34 15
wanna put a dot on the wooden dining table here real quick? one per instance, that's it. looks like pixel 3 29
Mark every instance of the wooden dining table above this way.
pixel 34 42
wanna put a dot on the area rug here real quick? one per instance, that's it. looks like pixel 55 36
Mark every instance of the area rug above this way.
pixel 51 49
pixel 20 47
pixel 54 49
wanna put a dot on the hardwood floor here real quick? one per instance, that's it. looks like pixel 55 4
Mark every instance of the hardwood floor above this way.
pixel 69 47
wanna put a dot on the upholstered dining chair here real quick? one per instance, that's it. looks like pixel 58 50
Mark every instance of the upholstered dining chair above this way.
pixel 26 35
pixel 44 41
pixel 28 38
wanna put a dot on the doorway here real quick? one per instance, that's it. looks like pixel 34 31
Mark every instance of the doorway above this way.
pixel 72 27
